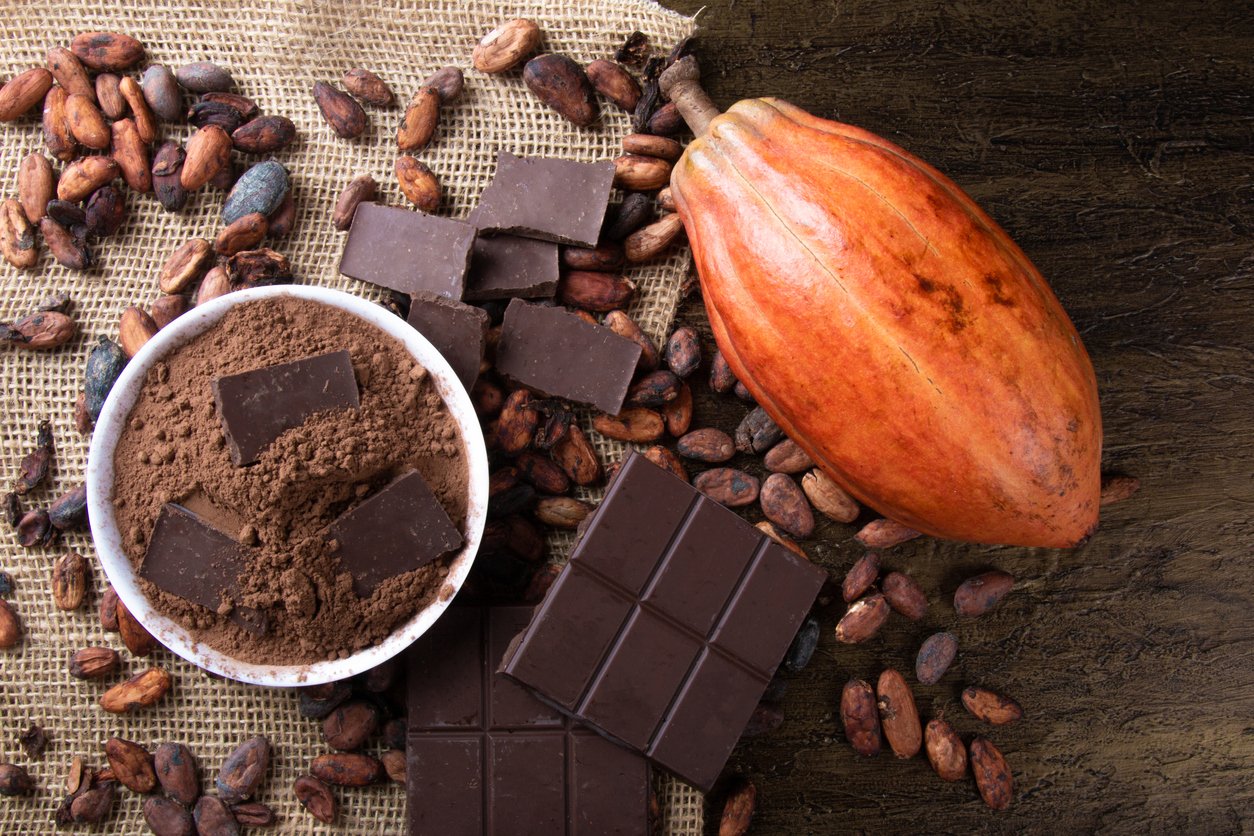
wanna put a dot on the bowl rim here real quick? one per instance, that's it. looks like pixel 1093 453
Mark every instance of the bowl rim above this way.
pixel 100 476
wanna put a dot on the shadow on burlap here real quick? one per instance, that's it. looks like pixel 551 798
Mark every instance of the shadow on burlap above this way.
pixel 276 50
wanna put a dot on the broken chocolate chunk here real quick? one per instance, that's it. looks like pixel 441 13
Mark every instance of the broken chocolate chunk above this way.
pixel 457 331
pixel 546 198
pixel 408 251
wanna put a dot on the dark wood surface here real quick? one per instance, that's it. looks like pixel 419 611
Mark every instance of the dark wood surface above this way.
pixel 1114 142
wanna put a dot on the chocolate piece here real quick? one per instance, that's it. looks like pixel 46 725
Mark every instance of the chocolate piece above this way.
pixel 546 198
pixel 506 266
pixel 408 251
pixel 257 407
pixel 555 352
pixel 190 558
pixel 401 528
pixel 457 331
pixel 664 629
pixel 485 756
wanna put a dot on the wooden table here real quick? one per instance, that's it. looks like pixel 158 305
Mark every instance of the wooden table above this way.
pixel 1114 142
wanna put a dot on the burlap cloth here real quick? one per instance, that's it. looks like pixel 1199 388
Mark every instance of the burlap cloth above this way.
pixel 276 50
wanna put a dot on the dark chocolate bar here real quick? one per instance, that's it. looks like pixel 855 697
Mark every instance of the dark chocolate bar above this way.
pixel 258 406
pixel 506 267
pixel 486 757
pixel 547 198
pixel 408 251
pixel 667 624
pixel 555 352
pixel 457 331
pixel 188 557
pixel 401 528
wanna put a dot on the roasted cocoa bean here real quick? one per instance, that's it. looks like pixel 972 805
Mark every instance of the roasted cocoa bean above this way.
pixel 648 145
pixel 359 189
pixel 368 87
pixel 726 485
pixel 253 814
pixel 666 121
pixel 394 764
pixel 562 512
pixel 884 534
pixel 604 258
pixel 666 459
pixel 633 424
pixel 167 181
pixel 898 715
pixel 69 73
pixel 860 718
pixel 259 189
pixel 36 185
pixel 215 283
pixel 56 126
pixel 247 108
pixel 204 113
pixel 136 638
pixel 506 46
pixel 208 152
pixel 829 498
pixel 990 706
pixel 863 619
pixel 935 656
pixel 422 116
pixel 135 329
pixel 107 51
pixel 106 210
pixel 622 220
pixel 722 378
pixel 243 770
pixel 185 265
pixel 654 389
pixel 264 135
pixel 214 818
pixel 801 651
pixel 614 83
pixel 448 82
pixel 738 809
pixel 683 351
pixel 178 772
pixel 637 173
pixel 109 610
pixel 346 769
pixel 341 111
pixel 678 413
pixel 992 774
pixel 904 595
pixel 68 249
pixel 109 96
pixel 623 325
pixel 87 123
pixel 18 244
pixel 1117 488
pixel 597 292
pixel 418 183
pixel 145 119
pixel 284 218
pixel 258 268
pixel 787 457
pixel 575 455
pixel 563 85
pixel 350 725
pixel 517 423
pixel 945 750
pixel 131 764
pixel 317 701
pixel 22 92
pixel 766 717
pixel 756 432
pixel 34 465
pixel 161 92
pixel 35 529
pixel 707 445
pixel 82 177
pixel 665 198
pixel 768 528
pixel 94 805
pixel 635 50
pixel 94 662
pixel 784 504
pixel 205 77
pixel 166 817
pixel 976 596
pixel 244 233
pixel 10 625
pixel 69 581
pixel 651 241
pixel 542 473
pixel 316 797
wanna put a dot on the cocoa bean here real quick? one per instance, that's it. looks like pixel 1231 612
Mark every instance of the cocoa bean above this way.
pixel 340 110
pixel 22 92
pixel 56 126
pixel 208 152
pixel 418 183
pixel 884 534
pixel 665 121
pixel 379 679
pixel 167 180
pixel 35 529
pixel 205 77
pixel 284 218
pixel 350 725
pixel 394 733
pixel 10 625
pixel 185 265
pixel 622 220
pixel 368 87
pixel 722 378
pixel 82 177
pixel 635 50
pixel 135 329
pixel 394 764
pixel 768 528
pixel 247 108
pixel 904 595
pixel 131 764
pixel 945 750
pixel 487 397
pixel 166 817
pixel 667 460
pixel 69 510
pixel 74 776
pixel 992 774
pixel 604 258
pixel 346 769
pixel 623 325
pixel 637 173
pixel 784 504
pixel 563 85
pixel 36 185
pixel 562 512
pixel 214 818
pixel 215 283
pixel 654 389
pixel 317 701
pixel 161 92
pixel 68 249
pixel 145 120
pixel 109 610
pixel 726 485
pixel 109 96
pixel 69 581
pixel 448 82
pixel 131 154
pixel 757 433
pixel 264 135
pixel 683 351
pixel 598 292
pixel 665 198
pixel 136 638
pixel 575 455
pixel 14 780
pixel 803 646
pixel 13 513
pixel 94 662
pixel 506 46
pixel 860 718
pixel 243 770
pixel 259 189
pixel 787 457
pixel 107 51
pixel 738 809
pixel 1115 487
pixel 678 413
pixel 633 424
pixel 517 423
pixel 69 73
pixel 652 240
pixel 862 620
pixel 935 656
pixel 258 268
pixel 317 798
pixel 614 83
pixel 18 244
pixel 990 706
pixel 828 497
pixel 648 145
pixel 166 309
pixel 542 473
pixel 898 715
pixel 244 233
pixel 707 445
pixel 976 596
pixel 359 189
pixel 87 123
pixel 253 814
pixel 94 805
pixel 205 113
pixel 418 125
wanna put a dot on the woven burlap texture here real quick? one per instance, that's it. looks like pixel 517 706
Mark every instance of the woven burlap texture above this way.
pixel 276 50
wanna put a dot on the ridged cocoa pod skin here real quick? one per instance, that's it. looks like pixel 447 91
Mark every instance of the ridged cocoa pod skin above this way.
pixel 341 111
pixel 976 596
pixel 69 73
pixel 992 774
pixel 935 656
pixel 167 817
pixel 317 798
pixel 264 135
pixel 990 706
pixel 178 772
pixel 162 93
pixel 614 83
pixel 898 715
pixel 860 718
pixel 368 87
pixel 707 445
pixel 23 92
pixel 904 595
pixel 107 51
pixel 945 751
pixel 784 504
pixel 728 486
pixel 863 619
pixel 563 85
pixel 243 770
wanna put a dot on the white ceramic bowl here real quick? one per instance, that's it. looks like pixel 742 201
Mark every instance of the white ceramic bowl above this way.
pixel 104 524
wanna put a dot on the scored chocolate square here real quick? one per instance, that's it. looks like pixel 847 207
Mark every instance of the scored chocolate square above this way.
pixel 457 331
pixel 408 251
pixel 667 624
pixel 547 198
pixel 486 757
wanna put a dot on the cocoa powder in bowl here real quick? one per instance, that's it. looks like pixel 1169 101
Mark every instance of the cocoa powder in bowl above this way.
pixel 173 450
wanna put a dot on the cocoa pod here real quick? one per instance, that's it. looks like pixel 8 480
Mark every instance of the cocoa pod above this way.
pixel 56 126
pixel 94 805
pixel 135 329
pixel 418 125
pixel 665 121
pixel 166 817
pixel 244 233
pixel 205 77
pixel 448 82
pixel 346 769
pixel 161 92
pixel 167 168
pixel 992 774
pixel 904 595
pixel 18 244
pixel 722 378
pixel 109 610
pixel 284 218
pixel 243 770
pixel 10 625
pixel 106 211
pixel 666 459
pixel 787 457
pixel 253 814
pixel 648 145
pixel 665 198
pixel 898 715
pixel 614 83
pixel 738 809
pixel 185 265
pixel 136 638
pixel 208 152
pixel 976 596
pixel 506 46
pixel 68 249
pixel 145 119
pixel 87 123
pixel 830 499
pixel 635 424
pixel 69 581
pixel 140 691
pixel 562 84
pixel 562 512
pixel 654 389
pixel 317 798
pixel 359 189
pixel 350 725
pixel 107 51
pixel 756 432
pixel 258 268
pixel 606 257
pixel 94 662
pixel 418 183
pixel 36 185
pixel 215 283
pixel 678 413
pixel 340 110
pixel 517 423
pixel 82 177
pixel 935 656
pixel 784 504
pixel 542 473
pixel 131 154
pixel 247 108
pixel 650 241
pixel 131 764
pixel 368 87
pixel 945 750
pixel 683 351
pixel 1115 487
pixel 575 455
pixel 884 534
pixel 214 818
pixel 69 73
pixel 635 211
pixel 637 173
pixel 862 620
pixel 728 486
pixel 598 292
pixel 768 528
pixel 707 445
pixel 109 95
pixel 623 325
pixel 264 135
pixel 860 718
pixel 23 92
pixel 990 706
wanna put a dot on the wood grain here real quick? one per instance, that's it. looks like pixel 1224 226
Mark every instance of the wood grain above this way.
pixel 1115 142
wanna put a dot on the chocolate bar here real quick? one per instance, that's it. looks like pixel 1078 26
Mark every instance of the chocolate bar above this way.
pixel 257 406
pixel 666 626
pixel 401 528
pixel 188 557
pixel 486 757
pixel 557 200
pixel 555 352
pixel 506 267
pixel 457 331
pixel 408 251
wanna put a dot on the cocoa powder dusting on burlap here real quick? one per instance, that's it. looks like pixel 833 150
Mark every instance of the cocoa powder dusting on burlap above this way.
pixel 174 450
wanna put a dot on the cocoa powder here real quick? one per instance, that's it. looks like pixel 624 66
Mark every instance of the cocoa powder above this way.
pixel 174 450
